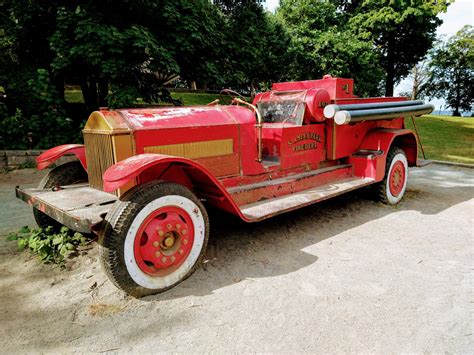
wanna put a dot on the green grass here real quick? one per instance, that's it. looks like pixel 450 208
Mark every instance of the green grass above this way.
pixel 74 96
pixel 191 99
pixel 446 138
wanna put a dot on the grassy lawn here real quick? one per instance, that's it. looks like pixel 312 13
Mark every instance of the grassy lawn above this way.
pixel 191 99
pixel 74 96
pixel 446 138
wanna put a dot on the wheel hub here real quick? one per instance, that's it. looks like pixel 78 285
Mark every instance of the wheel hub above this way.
pixel 168 242
pixel 397 178
pixel 164 241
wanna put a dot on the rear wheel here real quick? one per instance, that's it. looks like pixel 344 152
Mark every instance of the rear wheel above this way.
pixel 65 174
pixel 392 188
pixel 154 237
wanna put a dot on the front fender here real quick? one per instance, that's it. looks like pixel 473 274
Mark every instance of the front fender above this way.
pixel 147 167
pixel 51 155
pixel 383 139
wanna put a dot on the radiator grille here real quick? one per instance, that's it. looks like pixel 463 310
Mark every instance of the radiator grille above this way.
pixel 99 155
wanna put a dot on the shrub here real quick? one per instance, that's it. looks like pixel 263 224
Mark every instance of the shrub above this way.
pixel 50 247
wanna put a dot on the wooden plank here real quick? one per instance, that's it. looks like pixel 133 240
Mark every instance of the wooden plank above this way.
pixel 79 208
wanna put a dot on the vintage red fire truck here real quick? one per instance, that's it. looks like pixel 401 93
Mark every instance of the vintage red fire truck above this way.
pixel 144 176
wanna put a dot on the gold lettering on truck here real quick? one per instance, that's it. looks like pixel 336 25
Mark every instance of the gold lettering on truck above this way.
pixel 305 136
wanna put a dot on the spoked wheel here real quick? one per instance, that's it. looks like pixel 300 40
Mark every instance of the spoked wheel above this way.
pixel 154 238
pixel 65 174
pixel 392 188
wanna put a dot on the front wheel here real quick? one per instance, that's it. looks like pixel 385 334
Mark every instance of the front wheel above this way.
pixel 154 237
pixel 392 188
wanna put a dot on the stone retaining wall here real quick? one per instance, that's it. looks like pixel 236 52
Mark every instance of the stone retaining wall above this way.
pixel 25 158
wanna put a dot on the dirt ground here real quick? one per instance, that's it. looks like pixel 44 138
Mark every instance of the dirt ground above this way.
pixel 346 275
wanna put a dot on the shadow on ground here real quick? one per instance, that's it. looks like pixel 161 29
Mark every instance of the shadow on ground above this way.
pixel 237 251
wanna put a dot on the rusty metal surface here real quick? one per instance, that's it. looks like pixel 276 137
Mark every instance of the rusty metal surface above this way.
pixel 77 207
pixel 264 209
pixel 287 185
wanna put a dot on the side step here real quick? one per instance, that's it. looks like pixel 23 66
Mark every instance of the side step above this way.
pixel 268 208
pixel 290 184
pixel 423 162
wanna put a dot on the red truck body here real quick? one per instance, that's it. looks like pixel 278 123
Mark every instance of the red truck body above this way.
pixel 254 161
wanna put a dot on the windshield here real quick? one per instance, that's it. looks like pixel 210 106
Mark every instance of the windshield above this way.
pixel 282 111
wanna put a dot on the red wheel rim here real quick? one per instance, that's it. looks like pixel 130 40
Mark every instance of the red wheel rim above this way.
pixel 164 241
pixel 397 178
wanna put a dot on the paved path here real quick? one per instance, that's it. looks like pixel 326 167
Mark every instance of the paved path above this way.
pixel 347 275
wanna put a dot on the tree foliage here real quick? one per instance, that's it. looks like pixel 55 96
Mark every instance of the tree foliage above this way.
pixel 451 71
pixel 322 44
pixel 119 51
pixel 94 49
pixel 402 32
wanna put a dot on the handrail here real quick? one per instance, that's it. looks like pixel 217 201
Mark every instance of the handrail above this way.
pixel 259 126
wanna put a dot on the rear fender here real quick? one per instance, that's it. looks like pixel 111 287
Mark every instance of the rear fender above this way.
pixel 381 140
pixel 51 155
pixel 148 167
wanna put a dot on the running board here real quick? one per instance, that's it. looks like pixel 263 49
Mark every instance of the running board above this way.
pixel 290 184
pixel 264 209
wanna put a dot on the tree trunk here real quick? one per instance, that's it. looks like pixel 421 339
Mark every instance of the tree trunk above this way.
pixel 389 81
pixel 103 92
pixel 416 83
pixel 458 94
pixel 58 81
pixel 390 69
pixel 89 92
pixel 252 89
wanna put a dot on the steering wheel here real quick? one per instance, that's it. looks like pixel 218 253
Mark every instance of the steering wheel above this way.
pixel 229 96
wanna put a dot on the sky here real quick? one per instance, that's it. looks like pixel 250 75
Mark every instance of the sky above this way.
pixel 459 14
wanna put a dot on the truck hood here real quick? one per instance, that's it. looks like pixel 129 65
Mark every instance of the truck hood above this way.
pixel 168 117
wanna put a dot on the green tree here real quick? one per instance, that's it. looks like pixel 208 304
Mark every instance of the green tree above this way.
pixel 34 102
pixel 102 46
pixel 256 45
pixel 24 48
pixel 117 51
pixel 402 32
pixel 451 72
pixel 194 32
pixel 322 44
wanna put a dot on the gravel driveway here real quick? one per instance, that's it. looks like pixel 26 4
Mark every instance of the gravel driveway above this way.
pixel 346 275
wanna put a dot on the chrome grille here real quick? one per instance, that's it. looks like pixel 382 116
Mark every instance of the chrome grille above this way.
pixel 99 155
